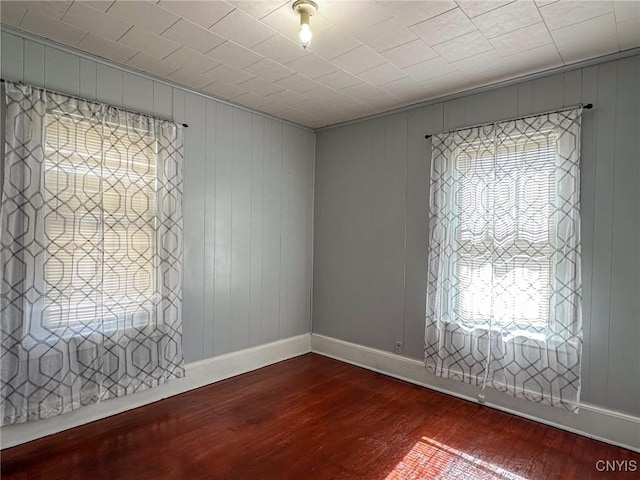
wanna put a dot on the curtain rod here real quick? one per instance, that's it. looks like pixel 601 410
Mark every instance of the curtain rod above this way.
pixel 2 80
pixel 587 106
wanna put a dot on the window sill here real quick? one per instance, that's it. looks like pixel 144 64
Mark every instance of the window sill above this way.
pixel 542 335
pixel 51 337
pixel 536 333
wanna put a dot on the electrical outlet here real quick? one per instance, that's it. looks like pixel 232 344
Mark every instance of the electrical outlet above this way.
pixel 398 347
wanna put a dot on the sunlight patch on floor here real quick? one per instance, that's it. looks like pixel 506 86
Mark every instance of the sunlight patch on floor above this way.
pixel 431 459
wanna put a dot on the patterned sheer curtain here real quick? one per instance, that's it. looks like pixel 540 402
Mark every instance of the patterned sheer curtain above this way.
pixel 91 253
pixel 503 294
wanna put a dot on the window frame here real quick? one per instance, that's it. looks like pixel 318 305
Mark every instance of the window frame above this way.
pixel 106 321
pixel 486 247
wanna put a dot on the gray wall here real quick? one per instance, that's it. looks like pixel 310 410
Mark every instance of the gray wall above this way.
pixel 371 234
pixel 248 200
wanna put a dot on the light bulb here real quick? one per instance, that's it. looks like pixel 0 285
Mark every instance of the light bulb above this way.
pixel 305 8
pixel 305 35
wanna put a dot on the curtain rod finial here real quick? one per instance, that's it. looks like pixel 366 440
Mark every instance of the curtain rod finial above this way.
pixel 588 106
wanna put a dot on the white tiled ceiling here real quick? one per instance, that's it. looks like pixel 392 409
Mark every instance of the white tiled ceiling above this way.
pixel 365 57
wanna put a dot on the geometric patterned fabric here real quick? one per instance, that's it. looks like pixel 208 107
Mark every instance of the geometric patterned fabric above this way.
pixel 504 287
pixel 91 253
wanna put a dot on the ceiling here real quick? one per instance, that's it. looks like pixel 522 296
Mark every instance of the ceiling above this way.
pixel 365 56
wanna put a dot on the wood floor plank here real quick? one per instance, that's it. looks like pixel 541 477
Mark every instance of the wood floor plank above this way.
pixel 312 417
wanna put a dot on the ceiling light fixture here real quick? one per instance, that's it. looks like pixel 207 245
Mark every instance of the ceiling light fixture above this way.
pixel 305 8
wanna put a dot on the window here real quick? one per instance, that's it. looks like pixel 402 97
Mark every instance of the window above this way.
pixel 99 224
pixel 504 239
pixel 91 251
pixel 503 276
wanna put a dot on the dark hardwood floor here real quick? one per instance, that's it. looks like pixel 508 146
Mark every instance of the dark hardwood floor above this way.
pixel 312 418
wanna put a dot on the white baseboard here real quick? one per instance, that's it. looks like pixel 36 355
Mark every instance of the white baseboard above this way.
pixel 198 374
pixel 595 422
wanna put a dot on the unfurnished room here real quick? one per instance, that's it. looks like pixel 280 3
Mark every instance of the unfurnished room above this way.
pixel 320 239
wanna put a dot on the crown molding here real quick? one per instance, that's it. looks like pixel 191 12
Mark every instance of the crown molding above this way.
pixel 128 69
pixel 492 86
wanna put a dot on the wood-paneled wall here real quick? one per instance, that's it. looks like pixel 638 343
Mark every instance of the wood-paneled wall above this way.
pixel 248 199
pixel 371 209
